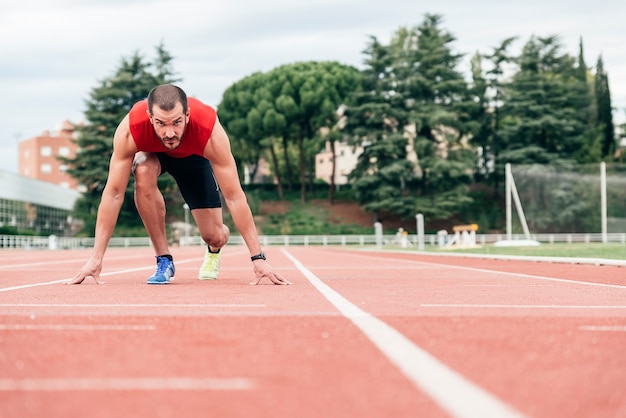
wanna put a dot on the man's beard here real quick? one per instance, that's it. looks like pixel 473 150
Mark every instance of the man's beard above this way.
pixel 171 143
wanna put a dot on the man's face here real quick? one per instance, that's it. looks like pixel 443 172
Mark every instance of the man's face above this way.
pixel 169 125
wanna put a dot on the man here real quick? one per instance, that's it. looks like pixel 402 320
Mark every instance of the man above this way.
pixel 169 132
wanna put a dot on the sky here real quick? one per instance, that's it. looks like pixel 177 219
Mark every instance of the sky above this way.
pixel 53 53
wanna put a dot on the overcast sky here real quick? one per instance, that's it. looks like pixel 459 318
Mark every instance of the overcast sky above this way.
pixel 52 53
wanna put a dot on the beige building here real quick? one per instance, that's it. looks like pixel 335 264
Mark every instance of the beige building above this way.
pixel 346 156
pixel 38 156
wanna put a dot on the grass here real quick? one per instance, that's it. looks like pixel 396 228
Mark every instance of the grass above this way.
pixel 613 251
pixel 306 219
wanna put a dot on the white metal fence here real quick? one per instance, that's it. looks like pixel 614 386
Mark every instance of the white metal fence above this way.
pixel 52 242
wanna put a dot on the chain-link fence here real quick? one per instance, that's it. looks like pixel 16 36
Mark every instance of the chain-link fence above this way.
pixel 566 198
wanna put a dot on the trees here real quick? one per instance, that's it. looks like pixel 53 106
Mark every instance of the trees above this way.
pixel 284 111
pixel 488 90
pixel 107 105
pixel 376 120
pixel 540 112
pixel 241 115
pixel 442 110
pixel 604 110
pixel 413 101
pixel 420 122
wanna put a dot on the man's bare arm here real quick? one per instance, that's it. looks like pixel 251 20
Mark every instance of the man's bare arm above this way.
pixel 120 167
pixel 218 151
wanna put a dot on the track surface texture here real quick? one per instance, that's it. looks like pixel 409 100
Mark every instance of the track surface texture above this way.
pixel 357 334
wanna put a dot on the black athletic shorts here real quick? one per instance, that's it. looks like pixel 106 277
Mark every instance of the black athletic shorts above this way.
pixel 195 179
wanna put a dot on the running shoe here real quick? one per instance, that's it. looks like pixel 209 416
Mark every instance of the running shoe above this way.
pixel 164 272
pixel 211 265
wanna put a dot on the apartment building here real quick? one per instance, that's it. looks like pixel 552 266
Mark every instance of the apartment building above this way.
pixel 38 156
pixel 346 158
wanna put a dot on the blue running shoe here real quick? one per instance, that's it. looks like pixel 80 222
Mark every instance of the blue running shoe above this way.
pixel 164 272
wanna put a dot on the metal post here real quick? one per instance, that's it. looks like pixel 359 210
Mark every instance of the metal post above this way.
pixel 603 201
pixel 419 219
pixel 186 207
pixel 378 230
pixel 509 210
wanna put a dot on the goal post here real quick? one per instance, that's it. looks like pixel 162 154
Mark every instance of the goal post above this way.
pixel 589 183
pixel 511 194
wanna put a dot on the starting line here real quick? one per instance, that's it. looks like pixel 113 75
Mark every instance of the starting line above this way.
pixel 121 383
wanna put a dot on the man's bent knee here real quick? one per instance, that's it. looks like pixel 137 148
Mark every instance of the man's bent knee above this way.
pixel 217 238
pixel 146 163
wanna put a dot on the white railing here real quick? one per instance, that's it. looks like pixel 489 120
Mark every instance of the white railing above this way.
pixel 53 242
pixel 35 242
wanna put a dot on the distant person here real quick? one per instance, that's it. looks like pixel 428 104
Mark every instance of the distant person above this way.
pixel 169 132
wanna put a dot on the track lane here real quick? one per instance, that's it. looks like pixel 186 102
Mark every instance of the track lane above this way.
pixel 299 354
pixel 526 356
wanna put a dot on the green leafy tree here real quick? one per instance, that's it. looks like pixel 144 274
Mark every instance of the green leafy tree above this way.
pixel 310 94
pixel 242 119
pixel 620 138
pixel 490 95
pixel 413 95
pixel 604 110
pixel 541 111
pixel 107 105
pixel 376 120
pixel 284 111
pixel 591 148
pixel 442 110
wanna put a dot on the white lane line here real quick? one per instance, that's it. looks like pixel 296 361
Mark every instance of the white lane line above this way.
pixel 528 276
pixel 26 286
pixel 43 263
pixel 131 305
pixel 532 258
pixel 112 273
pixel 496 306
pixel 63 261
pixel 504 273
pixel 71 327
pixel 120 383
pixel 450 390
pixel 608 328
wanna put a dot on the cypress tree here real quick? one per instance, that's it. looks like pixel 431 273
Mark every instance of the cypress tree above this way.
pixel 604 111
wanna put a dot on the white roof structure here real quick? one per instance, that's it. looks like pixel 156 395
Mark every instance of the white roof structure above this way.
pixel 24 189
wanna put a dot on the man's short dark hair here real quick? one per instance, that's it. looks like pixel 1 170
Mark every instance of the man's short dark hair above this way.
pixel 166 96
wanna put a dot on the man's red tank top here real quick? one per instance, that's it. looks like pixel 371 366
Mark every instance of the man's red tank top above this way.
pixel 197 133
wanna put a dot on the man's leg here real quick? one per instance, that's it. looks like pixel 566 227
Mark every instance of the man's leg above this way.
pixel 211 226
pixel 151 207
pixel 215 234
pixel 149 200
pixel 196 182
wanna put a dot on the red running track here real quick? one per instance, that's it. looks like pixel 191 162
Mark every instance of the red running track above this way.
pixel 358 334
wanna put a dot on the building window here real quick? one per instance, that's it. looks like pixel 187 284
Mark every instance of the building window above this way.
pixel 64 152
pixel 46 168
pixel 46 151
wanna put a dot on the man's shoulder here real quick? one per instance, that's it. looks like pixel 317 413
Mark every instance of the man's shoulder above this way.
pixel 139 112
pixel 201 111
pixel 123 140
